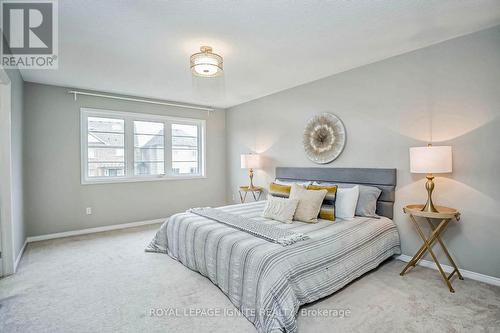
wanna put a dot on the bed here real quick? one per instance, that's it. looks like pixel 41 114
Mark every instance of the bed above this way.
pixel 268 282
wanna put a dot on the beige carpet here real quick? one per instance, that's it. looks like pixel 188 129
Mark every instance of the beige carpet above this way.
pixel 107 283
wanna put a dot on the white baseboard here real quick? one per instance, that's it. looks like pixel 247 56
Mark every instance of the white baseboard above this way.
pixel 18 259
pixel 448 269
pixel 93 230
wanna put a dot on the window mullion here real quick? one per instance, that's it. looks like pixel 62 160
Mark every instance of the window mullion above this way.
pixel 129 147
pixel 201 149
pixel 84 145
pixel 168 148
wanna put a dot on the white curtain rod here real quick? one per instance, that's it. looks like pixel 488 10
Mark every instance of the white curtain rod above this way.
pixel 187 106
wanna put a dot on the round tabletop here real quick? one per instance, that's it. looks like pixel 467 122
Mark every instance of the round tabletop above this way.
pixel 442 213
pixel 251 189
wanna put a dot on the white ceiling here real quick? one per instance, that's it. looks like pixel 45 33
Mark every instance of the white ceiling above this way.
pixel 142 48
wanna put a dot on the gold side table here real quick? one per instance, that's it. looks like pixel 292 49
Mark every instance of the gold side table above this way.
pixel 444 214
pixel 256 192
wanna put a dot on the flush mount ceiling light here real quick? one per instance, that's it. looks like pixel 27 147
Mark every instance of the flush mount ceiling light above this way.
pixel 206 63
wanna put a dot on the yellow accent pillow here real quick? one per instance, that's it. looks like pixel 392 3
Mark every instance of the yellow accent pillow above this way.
pixel 327 211
pixel 277 190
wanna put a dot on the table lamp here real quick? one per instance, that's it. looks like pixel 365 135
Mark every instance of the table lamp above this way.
pixel 430 160
pixel 250 161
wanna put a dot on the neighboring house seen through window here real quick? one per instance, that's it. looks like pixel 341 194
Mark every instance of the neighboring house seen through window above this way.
pixel 184 149
pixel 122 146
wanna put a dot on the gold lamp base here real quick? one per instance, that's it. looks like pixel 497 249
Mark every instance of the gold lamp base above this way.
pixel 429 186
pixel 250 174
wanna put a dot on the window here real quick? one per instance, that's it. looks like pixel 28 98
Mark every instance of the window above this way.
pixel 184 149
pixel 123 146
pixel 149 148
pixel 105 146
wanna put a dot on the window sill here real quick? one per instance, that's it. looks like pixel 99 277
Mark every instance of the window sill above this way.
pixel 138 179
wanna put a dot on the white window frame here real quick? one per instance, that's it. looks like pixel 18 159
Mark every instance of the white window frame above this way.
pixel 129 119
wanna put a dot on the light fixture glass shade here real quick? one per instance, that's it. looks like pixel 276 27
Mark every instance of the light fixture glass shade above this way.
pixel 250 161
pixel 431 159
pixel 206 63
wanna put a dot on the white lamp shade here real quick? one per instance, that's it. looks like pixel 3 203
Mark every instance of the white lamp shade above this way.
pixel 250 161
pixel 432 159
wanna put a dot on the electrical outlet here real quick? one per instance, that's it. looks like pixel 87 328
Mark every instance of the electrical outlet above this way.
pixel 88 210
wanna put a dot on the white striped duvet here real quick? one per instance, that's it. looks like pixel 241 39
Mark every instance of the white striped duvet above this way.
pixel 268 282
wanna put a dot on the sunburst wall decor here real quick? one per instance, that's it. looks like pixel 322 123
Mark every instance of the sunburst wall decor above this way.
pixel 324 138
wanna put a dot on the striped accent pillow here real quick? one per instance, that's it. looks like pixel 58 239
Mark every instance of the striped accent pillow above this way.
pixel 327 211
pixel 277 190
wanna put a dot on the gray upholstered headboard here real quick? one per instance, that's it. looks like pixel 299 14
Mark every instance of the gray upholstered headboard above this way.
pixel 384 179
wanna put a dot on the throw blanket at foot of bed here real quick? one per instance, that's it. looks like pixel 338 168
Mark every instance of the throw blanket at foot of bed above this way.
pixel 265 231
pixel 268 282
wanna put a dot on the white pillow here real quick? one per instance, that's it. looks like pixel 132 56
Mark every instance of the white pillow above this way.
pixel 280 209
pixel 345 204
pixel 309 203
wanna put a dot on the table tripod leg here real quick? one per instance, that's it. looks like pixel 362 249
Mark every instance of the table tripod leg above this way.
pixel 413 261
pixel 443 274
pixel 432 238
pixel 420 253
pixel 445 250
pixel 427 245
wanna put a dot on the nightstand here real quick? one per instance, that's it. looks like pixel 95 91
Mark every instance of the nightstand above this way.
pixel 256 192
pixel 444 214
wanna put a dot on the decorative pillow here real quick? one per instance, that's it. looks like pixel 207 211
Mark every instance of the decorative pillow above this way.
pixel 367 202
pixel 277 190
pixel 327 210
pixel 280 209
pixel 347 199
pixel 309 203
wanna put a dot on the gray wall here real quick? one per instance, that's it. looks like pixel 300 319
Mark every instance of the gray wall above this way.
pixel 387 107
pixel 55 200
pixel 18 224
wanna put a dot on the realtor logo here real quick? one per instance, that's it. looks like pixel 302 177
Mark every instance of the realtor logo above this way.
pixel 29 38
